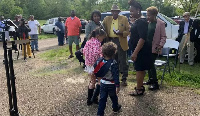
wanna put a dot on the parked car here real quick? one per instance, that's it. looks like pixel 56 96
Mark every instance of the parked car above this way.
pixel 177 20
pixel 49 26
pixel 171 26
pixel 83 23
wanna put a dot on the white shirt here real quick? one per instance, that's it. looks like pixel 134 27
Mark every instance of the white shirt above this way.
pixel 33 25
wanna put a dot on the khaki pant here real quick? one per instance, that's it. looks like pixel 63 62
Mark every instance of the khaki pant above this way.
pixel 189 47
pixel 28 49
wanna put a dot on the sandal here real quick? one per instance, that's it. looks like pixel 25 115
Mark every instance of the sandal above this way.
pixel 138 92
pixel 71 56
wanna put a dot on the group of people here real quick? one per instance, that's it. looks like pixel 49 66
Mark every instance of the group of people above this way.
pixel 25 29
pixel 105 48
pixel 105 51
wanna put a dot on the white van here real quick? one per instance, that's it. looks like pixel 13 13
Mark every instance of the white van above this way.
pixel 171 26
pixel 49 26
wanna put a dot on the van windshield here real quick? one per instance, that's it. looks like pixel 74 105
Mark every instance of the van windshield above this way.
pixel 169 19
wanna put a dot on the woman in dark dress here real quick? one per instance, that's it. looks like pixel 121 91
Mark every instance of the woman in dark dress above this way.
pixel 141 47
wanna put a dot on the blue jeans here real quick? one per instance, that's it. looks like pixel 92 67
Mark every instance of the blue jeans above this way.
pixel 60 38
pixel 34 43
pixel 105 90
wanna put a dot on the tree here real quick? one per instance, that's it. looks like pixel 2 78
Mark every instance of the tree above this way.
pixel 16 10
pixel 6 6
pixel 185 6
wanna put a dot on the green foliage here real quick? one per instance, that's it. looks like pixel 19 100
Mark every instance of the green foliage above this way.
pixel 16 10
pixel 6 6
pixel 45 9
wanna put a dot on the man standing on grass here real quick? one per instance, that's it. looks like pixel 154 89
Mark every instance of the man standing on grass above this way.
pixel 33 25
pixel 186 44
pixel 73 31
pixel 60 31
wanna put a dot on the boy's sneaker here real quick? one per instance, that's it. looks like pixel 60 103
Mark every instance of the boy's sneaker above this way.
pixel 117 109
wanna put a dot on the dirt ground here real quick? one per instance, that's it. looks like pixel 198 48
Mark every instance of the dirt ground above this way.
pixel 47 88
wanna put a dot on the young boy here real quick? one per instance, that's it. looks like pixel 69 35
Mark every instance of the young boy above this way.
pixel 106 68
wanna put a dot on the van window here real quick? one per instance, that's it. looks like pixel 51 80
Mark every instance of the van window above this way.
pixel 169 19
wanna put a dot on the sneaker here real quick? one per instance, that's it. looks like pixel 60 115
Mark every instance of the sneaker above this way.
pixel 37 50
pixel 147 83
pixel 124 83
pixel 154 86
pixel 116 110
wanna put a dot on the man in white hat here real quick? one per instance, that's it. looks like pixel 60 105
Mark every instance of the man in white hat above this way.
pixel 117 29
pixel 185 42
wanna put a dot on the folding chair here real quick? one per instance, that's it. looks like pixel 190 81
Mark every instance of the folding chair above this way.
pixel 169 45
pixel 174 47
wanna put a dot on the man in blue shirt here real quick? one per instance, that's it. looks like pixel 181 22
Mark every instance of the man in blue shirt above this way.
pixel 60 31
pixel 2 25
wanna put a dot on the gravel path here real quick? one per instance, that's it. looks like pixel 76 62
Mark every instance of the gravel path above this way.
pixel 47 88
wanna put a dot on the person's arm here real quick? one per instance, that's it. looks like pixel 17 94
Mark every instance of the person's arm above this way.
pixel 163 36
pixel 66 28
pixel 39 29
pixel 28 29
pixel 142 28
pixel 115 74
pixel 137 49
pixel 80 28
pixel 38 26
pixel 87 31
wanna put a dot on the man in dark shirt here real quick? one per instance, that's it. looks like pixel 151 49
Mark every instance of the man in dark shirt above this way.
pixel 60 31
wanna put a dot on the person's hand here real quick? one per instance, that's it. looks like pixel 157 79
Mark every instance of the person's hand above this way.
pixel 117 32
pixel 158 49
pixel 134 56
pixel 39 31
pixel 79 37
pixel 117 90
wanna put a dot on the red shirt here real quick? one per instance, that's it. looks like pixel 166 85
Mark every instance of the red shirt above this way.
pixel 73 26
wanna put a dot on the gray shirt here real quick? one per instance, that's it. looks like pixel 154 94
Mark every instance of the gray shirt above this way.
pixel 89 28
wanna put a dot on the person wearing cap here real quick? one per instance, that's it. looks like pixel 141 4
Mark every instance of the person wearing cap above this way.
pixel 117 28
pixel 184 29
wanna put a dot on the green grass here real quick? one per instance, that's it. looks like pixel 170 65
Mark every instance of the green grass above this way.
pixel 57 55
pixel 45 36
pixel 189 76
